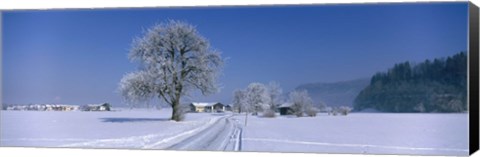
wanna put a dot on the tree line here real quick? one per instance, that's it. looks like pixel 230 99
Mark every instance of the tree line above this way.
pixel 264 100
pixel 438 85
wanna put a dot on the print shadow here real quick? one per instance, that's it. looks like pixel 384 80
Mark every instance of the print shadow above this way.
pixel 132 120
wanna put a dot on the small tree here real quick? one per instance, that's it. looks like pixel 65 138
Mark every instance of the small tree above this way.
pixel 174 59
pixel 269 113
pixel 275 96
pixel 257 97
pixel 301 102
pixel 239 101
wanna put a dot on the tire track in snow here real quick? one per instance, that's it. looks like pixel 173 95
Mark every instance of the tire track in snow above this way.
pixel 222 135
pixel 167 142
pixel 142 142
pixel 353 145
pixel 238 136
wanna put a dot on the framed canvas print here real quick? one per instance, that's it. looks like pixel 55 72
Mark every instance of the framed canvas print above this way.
pixel 373 78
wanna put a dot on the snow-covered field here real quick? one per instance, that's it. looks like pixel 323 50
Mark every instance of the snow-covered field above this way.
pixel 372 133
pixel 146 129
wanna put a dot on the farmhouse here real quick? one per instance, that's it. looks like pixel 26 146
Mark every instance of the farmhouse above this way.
pixel 286 108
pixel 207 107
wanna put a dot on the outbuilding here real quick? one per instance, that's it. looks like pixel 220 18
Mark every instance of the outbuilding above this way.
pixel 228 107
pixel 286 108
pixel 207 107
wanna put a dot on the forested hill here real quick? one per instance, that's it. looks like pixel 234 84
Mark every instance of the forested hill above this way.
pixel 336 93
pixel 431 86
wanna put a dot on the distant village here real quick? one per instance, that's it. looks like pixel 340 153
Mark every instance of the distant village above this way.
pixel 58 107
pixel 194 107
pixel 282 109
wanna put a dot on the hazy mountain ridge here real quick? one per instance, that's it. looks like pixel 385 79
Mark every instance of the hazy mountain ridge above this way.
pixel 341 93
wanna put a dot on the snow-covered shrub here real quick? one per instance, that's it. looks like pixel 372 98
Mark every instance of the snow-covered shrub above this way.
pixel 312 111
pixel 334 113
pixel 269 113
pixel 344 110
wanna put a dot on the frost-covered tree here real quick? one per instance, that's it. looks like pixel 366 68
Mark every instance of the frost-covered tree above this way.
pixel 301 102
pixel 257 97
pixel 240 103
pixel 137 87
pixel 174 59
pixel 275 94
pixel 239 100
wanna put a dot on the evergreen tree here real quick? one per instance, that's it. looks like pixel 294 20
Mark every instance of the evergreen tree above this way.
pixel 431 86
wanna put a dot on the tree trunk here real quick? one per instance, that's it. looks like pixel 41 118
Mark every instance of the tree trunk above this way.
pixel 177 113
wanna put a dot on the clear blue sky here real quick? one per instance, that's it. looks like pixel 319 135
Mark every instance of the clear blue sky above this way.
pixel 79 56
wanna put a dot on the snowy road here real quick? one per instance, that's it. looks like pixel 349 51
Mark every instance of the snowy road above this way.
pixel 224 135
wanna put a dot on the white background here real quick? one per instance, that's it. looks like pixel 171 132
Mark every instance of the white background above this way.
pixel 49 4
